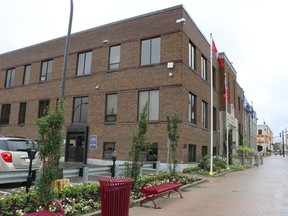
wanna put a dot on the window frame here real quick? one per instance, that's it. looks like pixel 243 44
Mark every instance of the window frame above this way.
pixel 84 68
pixel 46 70
pixel 204 75
pixel 79 107
pixel 192 55
pixel 192 108
pixel 150 52
pixel 26 75
pixel 111 117
pixel 43 108
pixel 151 106
pixel 22 113
pixel 204 116
pixel 114 57
pixel 5 114
pixel 9 79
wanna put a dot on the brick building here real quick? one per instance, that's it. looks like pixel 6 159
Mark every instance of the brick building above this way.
pixel 112 71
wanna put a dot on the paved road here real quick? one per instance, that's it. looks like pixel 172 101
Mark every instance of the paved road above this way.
pixel 257 191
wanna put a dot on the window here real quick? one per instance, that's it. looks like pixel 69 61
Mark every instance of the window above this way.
pixel 26 77
pixel 203 68
pixel 22 113
pixel 260 132
pixel 150 51
pixel 192 55
pixel 84 63
pixel 204 151
pixel 5 114
pixel 46 71
pixel 114 59
pixel 108 149
pixel 43 108
pixel 111 108
pixel 10 74
pixel 192 108
pixel 192 153
pixel 152 99
pixel 214 77
pixel 214 119
pixel 204 114
pixel 239 103
pixel 80 110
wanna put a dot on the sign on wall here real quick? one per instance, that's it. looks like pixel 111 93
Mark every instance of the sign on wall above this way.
pixel 93 142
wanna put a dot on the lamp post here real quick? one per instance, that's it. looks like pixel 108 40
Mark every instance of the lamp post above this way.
pixel 62 93
pixel 31 156
pixel 114 156
pixel 281 135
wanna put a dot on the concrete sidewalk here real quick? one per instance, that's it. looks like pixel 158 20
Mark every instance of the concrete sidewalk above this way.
pixel 259 191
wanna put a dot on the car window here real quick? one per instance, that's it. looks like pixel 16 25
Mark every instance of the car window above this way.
pixel 3 145
pixel 17 145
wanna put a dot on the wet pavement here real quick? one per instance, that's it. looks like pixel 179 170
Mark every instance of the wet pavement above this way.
pixel 257 191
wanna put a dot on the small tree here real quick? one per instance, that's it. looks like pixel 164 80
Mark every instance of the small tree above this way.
pixel 172 127
pixel 50 139
pixel 139 144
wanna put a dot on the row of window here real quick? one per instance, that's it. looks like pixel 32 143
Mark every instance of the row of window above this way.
pixel 80 109
pixel 150 54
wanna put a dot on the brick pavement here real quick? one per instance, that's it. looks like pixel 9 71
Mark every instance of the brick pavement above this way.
pixel 258 191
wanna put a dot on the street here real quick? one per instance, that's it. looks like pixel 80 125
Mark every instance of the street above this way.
pixel 259 191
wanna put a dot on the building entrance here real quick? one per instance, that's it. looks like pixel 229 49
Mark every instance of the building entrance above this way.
pixel 76 145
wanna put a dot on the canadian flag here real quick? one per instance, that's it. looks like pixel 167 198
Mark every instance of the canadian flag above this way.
pixel 214 50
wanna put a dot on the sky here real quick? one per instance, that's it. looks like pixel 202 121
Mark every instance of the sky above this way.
pixel 252 34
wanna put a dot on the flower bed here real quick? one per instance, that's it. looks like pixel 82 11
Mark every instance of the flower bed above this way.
pixel 77 199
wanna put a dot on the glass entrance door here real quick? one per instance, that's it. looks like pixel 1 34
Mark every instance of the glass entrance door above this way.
pixel 75 147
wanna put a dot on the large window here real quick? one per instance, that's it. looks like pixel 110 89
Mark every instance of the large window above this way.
pixel 192 55
pixel 204 151
pixel 84 63
pixel 204 114
pixel 80 109
pixel 26 77
pixel 151 98
pixel 203 68
pixel 114 58
pixel 22 113
pixel 10 74
pixel 150 51
pixel 111 108
pixel 214 77
pixel 43 108
pixel 46 71
pixel 5 114
pixel 192 108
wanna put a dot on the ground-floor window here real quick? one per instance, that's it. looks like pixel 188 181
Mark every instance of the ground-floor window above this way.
pixel 192 153
pixel 204 151
pixel 107 150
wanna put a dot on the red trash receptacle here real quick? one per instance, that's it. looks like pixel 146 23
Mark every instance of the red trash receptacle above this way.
pixel 115 195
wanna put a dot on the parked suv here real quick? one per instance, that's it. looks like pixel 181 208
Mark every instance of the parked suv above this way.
pixel 14 156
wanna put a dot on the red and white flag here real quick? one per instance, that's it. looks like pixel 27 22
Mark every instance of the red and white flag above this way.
pixel 214 50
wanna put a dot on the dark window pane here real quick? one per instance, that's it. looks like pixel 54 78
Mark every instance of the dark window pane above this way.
pixel 5 114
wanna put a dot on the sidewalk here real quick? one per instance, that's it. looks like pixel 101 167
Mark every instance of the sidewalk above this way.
pixel 257 191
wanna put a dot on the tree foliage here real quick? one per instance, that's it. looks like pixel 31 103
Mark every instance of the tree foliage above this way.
pixel 50 138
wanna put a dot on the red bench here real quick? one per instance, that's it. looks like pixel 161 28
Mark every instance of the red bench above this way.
pixel 150 190
pixel 46 212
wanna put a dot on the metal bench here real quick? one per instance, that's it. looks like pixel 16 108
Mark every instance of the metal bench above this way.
pixel 46 212
pixel 150 190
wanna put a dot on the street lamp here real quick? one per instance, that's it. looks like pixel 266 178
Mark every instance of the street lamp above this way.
pixel 282 142
pixel 114 156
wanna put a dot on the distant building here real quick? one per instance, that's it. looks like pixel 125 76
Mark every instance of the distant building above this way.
pixel 265 137
pixel 112 71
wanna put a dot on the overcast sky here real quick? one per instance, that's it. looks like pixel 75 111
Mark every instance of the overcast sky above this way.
pixel 251 33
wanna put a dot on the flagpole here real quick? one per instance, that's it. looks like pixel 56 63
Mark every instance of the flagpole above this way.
pixel 211 125
pixel 227 129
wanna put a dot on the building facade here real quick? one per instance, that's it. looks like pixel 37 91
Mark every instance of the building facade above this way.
pixel 265 137
pixel 113 70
